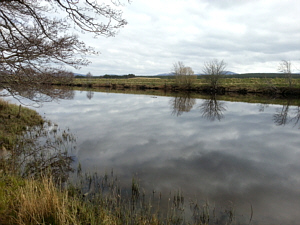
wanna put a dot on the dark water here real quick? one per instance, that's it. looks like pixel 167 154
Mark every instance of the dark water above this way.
pixel 227 153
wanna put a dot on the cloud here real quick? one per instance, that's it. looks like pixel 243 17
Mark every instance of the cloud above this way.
pixel 251 36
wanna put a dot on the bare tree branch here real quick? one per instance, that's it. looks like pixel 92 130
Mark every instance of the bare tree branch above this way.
pixel 184 75
pixel 214 71
pixel 285 68
pixel 37 37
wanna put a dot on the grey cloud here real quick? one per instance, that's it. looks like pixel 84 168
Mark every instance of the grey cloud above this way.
pixel 250 36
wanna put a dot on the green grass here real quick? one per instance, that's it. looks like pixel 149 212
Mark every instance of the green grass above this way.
pixel 14 120
pixel 252 84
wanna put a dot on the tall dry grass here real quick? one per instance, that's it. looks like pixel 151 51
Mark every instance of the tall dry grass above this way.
pixel 41 203
pixel 28 201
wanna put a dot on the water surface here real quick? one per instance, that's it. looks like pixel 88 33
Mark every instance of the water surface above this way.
pixel 227 153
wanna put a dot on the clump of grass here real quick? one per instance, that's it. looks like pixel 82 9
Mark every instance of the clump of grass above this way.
pixel 3 104
pixel 28 201
pixel 14 121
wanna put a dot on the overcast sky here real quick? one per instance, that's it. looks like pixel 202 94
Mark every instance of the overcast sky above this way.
pixel 250 36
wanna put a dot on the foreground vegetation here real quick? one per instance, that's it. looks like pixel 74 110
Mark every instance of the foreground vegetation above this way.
pixel 34 186
pixel 14 121
pixel 41 201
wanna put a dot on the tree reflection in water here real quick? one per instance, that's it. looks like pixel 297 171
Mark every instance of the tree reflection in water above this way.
pixel 89 94
pixel 281 116
pixel 286 115
pixel 37 94
pixel 212 109
pixel 42 149
pixel 183 103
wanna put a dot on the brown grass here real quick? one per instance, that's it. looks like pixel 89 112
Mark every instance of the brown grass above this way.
pixel 41 202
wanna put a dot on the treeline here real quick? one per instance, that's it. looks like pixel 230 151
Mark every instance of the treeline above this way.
pixel 106 76
pixel 118 76
pixel 260 75
pixel 242 75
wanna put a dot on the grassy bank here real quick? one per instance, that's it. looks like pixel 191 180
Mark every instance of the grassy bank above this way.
pixel 14 120
pixel 237 85
pixel 28 201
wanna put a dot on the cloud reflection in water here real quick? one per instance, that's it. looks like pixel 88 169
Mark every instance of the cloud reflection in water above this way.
pixel 242 156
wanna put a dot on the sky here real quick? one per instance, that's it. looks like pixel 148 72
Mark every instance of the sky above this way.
pixel 250 36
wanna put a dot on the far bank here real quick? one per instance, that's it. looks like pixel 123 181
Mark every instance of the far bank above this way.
pixel 269 86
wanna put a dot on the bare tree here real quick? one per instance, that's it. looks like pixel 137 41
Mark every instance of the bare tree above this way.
pixel 285 68
pixel 35 45
pixel 89 75
pixel 214 70
pixel 184 75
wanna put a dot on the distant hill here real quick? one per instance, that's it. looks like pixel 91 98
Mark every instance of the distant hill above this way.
pixel 165 74
pixel 229 73
pixel 79 75
pixel 262 75
pixel 198 74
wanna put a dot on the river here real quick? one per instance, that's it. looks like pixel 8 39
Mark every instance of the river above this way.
pixel 245 155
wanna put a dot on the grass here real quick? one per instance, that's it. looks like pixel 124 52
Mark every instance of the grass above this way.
pixel 41 201
pixel 28 201
pixel 14 120
pixel 241 85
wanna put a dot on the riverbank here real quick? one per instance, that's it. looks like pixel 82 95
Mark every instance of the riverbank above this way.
pixel 14 120
pixel 274 86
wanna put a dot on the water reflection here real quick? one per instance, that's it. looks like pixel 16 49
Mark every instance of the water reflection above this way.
pixel 37 94
pixel 89 94
pixel 245 159
pixel 212 109
pixel 284 115
pixel 42 149
pixel 281 116
pixel 182 103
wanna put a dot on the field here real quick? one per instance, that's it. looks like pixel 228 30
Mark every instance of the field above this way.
pixel 277 85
